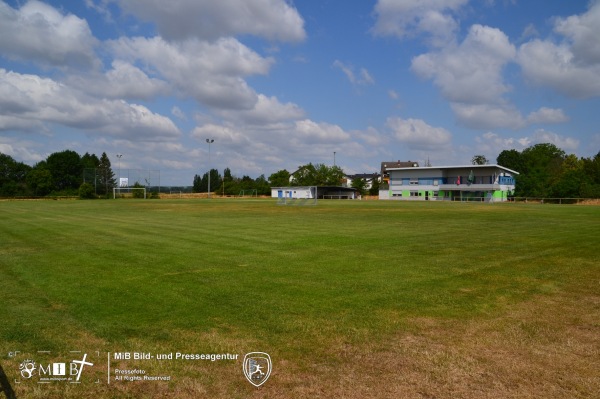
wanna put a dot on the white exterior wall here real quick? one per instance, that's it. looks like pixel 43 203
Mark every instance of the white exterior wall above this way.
pixel 292 192
pixel 433 182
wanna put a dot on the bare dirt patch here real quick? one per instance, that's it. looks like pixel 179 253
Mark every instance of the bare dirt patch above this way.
pixel 547 348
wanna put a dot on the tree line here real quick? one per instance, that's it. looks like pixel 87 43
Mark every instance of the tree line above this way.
pixel 545 171
pixel 305 175
pixel 62 173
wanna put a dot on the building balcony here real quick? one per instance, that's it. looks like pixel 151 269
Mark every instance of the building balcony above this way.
pixel 469 187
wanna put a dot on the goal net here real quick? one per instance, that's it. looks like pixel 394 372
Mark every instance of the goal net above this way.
pixel 248 193
pixel 297 196
pixel 129 192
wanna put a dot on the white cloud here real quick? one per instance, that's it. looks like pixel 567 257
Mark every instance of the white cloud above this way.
pixel 547 64
pixel 492 144
pixel 209 19
pixel 44 101
pixel 571 67
pixel 567 144
pixel 529 31
pixel 488 116
pixel 38 32
pixel 471 72
pixel 212 73
pixel 228 136
pixel 371 137
pixel 417 134
pixel 408 18
pixel 122 81
pixel 363 77
pixel 266 111
pixel 319 132
pixel 583 32
pixel 178 113
pixel 547 115
pixel 469 75
pixel 22 150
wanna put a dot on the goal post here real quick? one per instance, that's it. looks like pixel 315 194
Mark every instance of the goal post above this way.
pixel 248 193
pixel 134 192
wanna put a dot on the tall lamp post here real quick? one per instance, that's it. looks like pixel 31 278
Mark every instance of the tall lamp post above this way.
pixel 334 158
pixel 119 156
pixel 209 141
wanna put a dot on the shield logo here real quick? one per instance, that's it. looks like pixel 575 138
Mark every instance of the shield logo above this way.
pixel 257 367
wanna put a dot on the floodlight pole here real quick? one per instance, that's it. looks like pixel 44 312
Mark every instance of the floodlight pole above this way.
pixel 209 141
pixel 334 158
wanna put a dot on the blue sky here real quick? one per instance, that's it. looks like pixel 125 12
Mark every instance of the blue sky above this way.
pixel 278 84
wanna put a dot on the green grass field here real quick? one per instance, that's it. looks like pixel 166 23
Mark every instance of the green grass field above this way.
pixel 349 298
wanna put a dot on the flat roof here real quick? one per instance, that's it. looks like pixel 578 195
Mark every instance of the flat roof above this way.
pixel 455 167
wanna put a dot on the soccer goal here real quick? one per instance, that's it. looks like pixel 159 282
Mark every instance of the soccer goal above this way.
pixel 297 196
pixel 129 192
pixel 248 193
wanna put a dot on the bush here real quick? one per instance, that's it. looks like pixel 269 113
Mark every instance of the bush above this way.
pixel 86 191
pixel 137 193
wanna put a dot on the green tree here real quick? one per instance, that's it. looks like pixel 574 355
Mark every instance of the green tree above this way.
pixel 374 190
pixel 66 170
pixel 204 183
pixel 591 187
pixel 39 179
pixel 511 159
pixel 227 175
pixel 201 183
pixel 87 191
pixel 335 174
pixel 106 176
pixel 90 161
pixel 246 183
pixel 137 193
pixel 479 160
pixel 542 165
pixel 360 184
pixel 591 166
pixel 215 180
pixel 572 184
pixel 305 176
pixel 262 185
pixel 280 178
pixel 317 175
pixel 12 176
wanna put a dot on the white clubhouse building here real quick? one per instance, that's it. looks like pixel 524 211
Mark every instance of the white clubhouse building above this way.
pixel 492 183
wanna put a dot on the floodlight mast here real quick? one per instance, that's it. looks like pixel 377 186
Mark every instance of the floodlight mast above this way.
pixel 209 141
